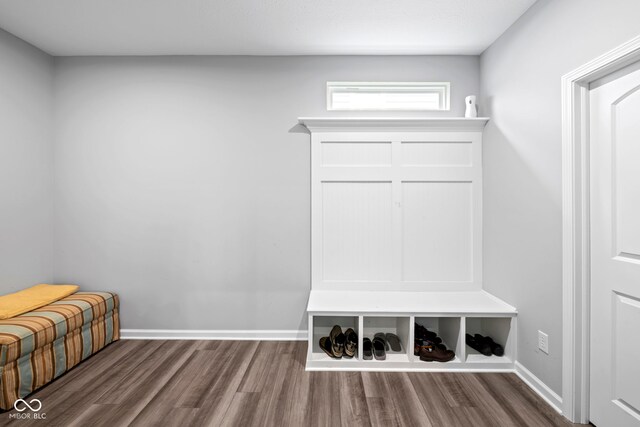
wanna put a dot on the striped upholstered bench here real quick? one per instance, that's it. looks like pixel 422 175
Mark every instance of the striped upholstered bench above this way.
pixel 39 346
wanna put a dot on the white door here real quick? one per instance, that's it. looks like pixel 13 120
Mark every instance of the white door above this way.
pixel 615 249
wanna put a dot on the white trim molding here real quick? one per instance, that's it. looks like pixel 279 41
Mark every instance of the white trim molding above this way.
pixel 201 334
pixel 535 384
pixel 405 124
pixel 575 226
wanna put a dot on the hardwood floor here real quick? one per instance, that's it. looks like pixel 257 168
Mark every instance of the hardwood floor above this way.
pixel 246 383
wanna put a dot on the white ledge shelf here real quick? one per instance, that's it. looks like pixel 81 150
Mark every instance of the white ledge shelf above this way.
pixel 450 303
pixel 417 124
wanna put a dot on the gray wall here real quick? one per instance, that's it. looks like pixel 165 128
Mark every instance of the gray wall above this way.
pixel 26 203
pixel 183 184
pixel 522 157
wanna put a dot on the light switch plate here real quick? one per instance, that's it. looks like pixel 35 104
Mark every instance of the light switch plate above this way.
pixel 543 342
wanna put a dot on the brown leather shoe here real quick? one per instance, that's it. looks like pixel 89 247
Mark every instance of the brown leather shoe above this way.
pixel 325 345
pixel 431 353
pixel 418 344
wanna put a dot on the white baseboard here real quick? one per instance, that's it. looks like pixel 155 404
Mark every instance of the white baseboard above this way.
pixel 539 387
pixel 199 334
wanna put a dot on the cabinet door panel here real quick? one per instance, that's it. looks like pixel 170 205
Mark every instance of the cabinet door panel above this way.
pixel 356 232
pixel 437 237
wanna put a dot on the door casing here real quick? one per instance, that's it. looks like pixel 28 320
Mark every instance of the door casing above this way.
pixel 576 226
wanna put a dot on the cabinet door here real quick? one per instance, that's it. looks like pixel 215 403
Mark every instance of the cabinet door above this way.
pixel 357 231
pixel 437 232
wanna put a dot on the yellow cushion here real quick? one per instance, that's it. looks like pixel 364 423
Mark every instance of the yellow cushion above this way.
pixel 34 297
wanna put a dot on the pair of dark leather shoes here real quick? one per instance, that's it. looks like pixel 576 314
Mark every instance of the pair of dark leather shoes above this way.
pixel 339 344
pixel 422 333
pixel 484 345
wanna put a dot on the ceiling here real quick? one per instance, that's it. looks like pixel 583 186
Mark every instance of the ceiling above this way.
pixel 260 27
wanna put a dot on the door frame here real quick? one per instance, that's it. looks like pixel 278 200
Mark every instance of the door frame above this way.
pixel 575 224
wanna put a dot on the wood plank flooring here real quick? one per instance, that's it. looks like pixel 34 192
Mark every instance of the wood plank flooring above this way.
pixel 247 383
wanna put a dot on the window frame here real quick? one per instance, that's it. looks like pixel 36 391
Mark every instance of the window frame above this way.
pixel 441 88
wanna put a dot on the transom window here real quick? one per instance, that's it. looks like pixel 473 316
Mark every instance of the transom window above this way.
pixel 389 96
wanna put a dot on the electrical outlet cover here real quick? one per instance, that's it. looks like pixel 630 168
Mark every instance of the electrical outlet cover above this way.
pixel 543 342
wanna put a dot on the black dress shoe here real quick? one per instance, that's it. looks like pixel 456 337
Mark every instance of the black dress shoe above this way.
pixel 479 345
pixel 424 334
pixel 496 348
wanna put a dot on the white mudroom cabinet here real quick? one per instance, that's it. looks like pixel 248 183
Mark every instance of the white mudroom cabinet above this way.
pixel 396 214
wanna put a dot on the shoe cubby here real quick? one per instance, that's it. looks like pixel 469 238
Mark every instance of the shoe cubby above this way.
pixel 449 330
pixel 449 314
pixel 400 326
pixel 322 325
pixel 500 329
